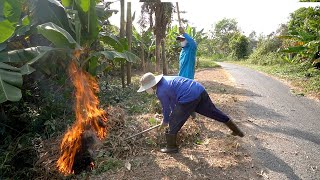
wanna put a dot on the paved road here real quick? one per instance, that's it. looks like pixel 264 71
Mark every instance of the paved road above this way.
pixel 283 129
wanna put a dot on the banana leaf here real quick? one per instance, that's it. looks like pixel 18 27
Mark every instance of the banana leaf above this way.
pixel 114 55
pixel 57 35
pixel 294 49
pixel 89 20
pixel 10 12
pixel 112 40
pixel 51 11
pixel 24 55
pixel 67 3
pixel 10 81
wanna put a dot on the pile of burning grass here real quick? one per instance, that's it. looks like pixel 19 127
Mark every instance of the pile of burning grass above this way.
pixel 120 126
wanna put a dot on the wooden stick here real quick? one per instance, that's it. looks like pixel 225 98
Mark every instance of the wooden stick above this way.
pixel 144 131
pixel 180 24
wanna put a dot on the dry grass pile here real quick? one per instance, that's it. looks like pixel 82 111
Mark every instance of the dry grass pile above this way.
pixel 120 126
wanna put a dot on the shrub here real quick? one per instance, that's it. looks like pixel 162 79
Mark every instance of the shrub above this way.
pixel 271 58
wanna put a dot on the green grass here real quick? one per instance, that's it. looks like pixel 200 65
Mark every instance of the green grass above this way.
pixel 300 76
pixel 206 62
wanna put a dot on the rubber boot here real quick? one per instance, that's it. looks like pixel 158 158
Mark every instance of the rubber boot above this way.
pixel 234 128
pixel 171 144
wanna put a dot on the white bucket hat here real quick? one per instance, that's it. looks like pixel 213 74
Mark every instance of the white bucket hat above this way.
pixel 148 80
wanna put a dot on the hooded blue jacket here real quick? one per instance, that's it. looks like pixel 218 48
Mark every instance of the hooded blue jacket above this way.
pixel 188 58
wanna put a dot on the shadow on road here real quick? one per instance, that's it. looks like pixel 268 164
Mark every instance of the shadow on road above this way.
pixel 220 88
pixel 258 111
pixel 271 162
pixel 295 133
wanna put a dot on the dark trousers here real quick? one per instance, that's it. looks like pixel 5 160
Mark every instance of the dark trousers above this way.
pixel 202 105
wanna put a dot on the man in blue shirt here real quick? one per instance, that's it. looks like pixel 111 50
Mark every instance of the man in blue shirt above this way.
pixel 179 97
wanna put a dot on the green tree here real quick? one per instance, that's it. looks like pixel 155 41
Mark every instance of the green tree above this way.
pixel 304 35
pixel 239 45
pixel 305 19
pixel 163 13
pixel 143 43
pixel 253 41
pixel 224 30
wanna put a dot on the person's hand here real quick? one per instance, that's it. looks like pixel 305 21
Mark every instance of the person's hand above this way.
pixel 181 30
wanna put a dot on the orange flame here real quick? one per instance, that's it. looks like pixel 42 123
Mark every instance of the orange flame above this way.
pixel 88 114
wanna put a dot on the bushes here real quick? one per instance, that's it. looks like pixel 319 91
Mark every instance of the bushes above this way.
pixel 270 58
pixel 44 111
pixel 239 46
pixel 266 52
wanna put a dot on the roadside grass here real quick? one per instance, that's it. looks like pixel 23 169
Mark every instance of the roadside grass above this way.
pixel 206 62
pixel 304 79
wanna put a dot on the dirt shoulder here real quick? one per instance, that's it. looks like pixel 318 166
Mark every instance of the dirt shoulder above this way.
pixel 207 151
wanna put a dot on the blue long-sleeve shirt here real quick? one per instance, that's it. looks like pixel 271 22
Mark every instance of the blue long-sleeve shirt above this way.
pixel 187 58
pixel 175 89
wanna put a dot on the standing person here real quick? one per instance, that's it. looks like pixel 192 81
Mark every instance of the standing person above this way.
pixel 180 97
pixel 187 59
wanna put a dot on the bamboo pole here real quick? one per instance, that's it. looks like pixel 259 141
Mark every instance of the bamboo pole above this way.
pixel 179 19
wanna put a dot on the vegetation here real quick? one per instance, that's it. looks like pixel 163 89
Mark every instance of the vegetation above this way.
pixel 291 52
pixel 39 38
pixel 206 62
pixel 46 35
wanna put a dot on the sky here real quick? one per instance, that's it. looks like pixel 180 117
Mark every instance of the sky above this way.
pixel 261 16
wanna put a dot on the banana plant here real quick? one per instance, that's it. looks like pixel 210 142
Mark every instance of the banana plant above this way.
pixel 70 30
pixel 307 45
pixel 11 76
pixel 143 40
pixel 10 16
pixel 12 25
pixel 173 48
pixel 198 36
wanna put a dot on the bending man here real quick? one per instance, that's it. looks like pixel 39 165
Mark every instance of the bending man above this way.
pixel 180 97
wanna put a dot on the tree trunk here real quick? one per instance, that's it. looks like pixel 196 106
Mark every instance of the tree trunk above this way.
pixel 142 58
pixel 122 34
pixel 150 20
pixel 164 63
pixel 129 37
pixel 158 53
pixel 148 63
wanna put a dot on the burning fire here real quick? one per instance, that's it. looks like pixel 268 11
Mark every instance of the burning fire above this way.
pixel 88 115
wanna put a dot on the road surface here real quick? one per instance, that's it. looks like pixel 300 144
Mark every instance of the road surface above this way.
pixel 283 129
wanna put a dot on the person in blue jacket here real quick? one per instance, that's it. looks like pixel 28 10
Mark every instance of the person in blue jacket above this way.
pixel 187 59
pixel 179 97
